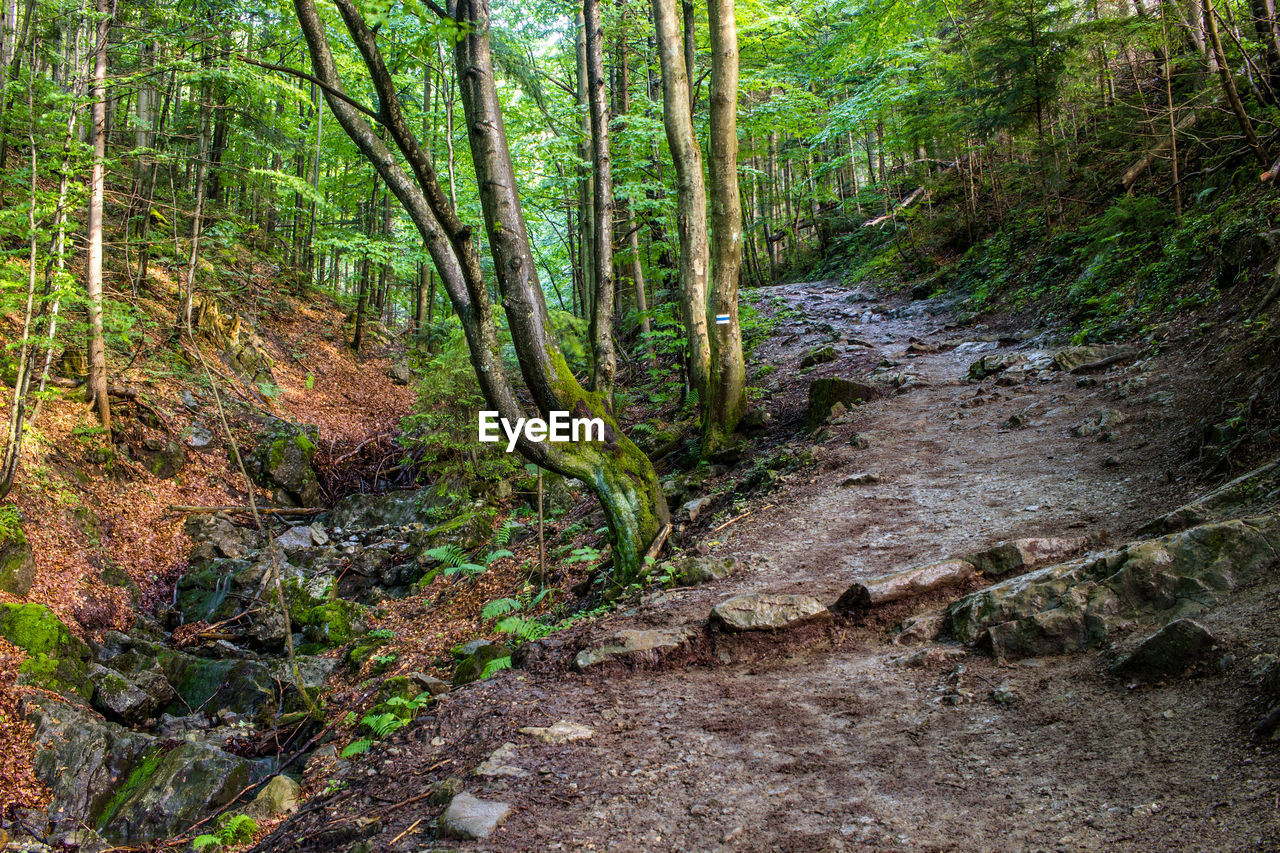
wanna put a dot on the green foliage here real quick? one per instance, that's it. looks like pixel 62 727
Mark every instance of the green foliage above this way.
pixel 496 665
pixel 233 830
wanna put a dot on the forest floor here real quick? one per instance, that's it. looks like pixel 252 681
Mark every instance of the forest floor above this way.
pixel 853 742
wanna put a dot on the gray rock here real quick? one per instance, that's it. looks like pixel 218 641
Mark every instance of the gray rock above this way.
pixel 1019 555
pixel 118 697
pixel 396 509
pixel 1168 653
pixel 168 793
pixel 280 796
pixel 559 732
pixel 469 818
pixel 399 373
pixel 428 683
pixel 635 647
pixel 225 536
pixel 198 437
pixel 1083 358
pixel 990 365
pixel 862 478
pixel 296 537
pixel 501 762
pixel 692 509
pixel 1107 420
pixel 1077 604
pixel 824 393
pixel 764 611
pixel 692 571
pixel 1256 490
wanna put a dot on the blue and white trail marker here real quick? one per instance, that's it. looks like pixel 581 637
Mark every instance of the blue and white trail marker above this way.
pixel 722 319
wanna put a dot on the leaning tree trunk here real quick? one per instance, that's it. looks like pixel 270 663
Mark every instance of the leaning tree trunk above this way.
pixel 728 397
pixel 1229 83
pixel 619 473
pixel 604 360
pixel 691 198
pixel 97 350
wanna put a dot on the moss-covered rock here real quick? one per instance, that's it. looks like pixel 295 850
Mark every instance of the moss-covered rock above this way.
pixel 472 666
pixel 239 686
pixel 282 461
pixel 824 393
pixel 56 660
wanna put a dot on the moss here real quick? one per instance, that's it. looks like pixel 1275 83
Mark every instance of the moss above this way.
pixel 138 777
pixel 334 623
pixel 55 657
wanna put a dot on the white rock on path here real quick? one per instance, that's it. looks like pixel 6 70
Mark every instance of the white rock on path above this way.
pixel 470 818
pixel 561 732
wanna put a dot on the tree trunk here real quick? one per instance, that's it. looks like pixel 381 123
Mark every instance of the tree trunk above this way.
pixel 691 204
pixel 97 351
pixel 727 400
pixel 604 359
pixel 1229 83
pixel 586 178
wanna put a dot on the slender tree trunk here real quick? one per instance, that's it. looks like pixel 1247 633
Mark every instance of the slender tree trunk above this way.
pixel 728 399
pixel 587 218
pixel 1229 84
pixel 97 350
pixel 691 215
pixel 604 359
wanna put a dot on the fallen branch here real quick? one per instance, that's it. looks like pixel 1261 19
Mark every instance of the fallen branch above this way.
pixel 282 510
pixel 658 542
pixel 738 518
pixel 1135 171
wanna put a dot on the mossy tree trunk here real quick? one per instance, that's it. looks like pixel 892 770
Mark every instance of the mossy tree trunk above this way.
pixel 727 392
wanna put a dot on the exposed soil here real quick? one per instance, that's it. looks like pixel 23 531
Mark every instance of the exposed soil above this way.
pixel 847 741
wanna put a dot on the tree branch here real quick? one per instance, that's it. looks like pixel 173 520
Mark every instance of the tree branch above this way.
pixel 337 93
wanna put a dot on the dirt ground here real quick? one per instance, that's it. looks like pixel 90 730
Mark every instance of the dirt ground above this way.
pixel 850 742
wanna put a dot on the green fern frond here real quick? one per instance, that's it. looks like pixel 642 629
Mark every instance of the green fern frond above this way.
pixel 499 606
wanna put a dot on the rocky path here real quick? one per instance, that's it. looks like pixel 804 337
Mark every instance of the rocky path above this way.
pixel 851 742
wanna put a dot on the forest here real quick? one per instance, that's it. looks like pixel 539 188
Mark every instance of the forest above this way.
pixel 933 498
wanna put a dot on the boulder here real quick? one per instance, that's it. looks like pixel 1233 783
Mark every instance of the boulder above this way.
pixel 281 461
pixel 990 365
pixel 1077 604
pixel 280 796
pixel 1257 490
pixel 300 536
pixel 81 758
pixel 471 819
pixel 162 457
pixel 862 478
pixel 904 584
pixel 691 510
pixel 224 536
pixel 399 373
pixel 829 390
pixel 168 790
pixel 692 571
pixel 764 611
pixel 1168 653
pixel 17 565
pixel 239 686
pixel 1082 359
pixel 1102 424
pixel 119 697
pixel 636 647
pixel 1019 555
pixel 818 355
pixel 472 666
pixel 57 660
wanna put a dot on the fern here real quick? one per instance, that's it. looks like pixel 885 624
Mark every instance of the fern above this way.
pixel 505 532
pixel 498 607
pixel 356 747
pixel 493 556
pixel 496 665
pixel 450 555
pixel 382 724
pixel 523 629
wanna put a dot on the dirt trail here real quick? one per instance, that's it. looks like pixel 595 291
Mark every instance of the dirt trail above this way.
pixel 851 744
